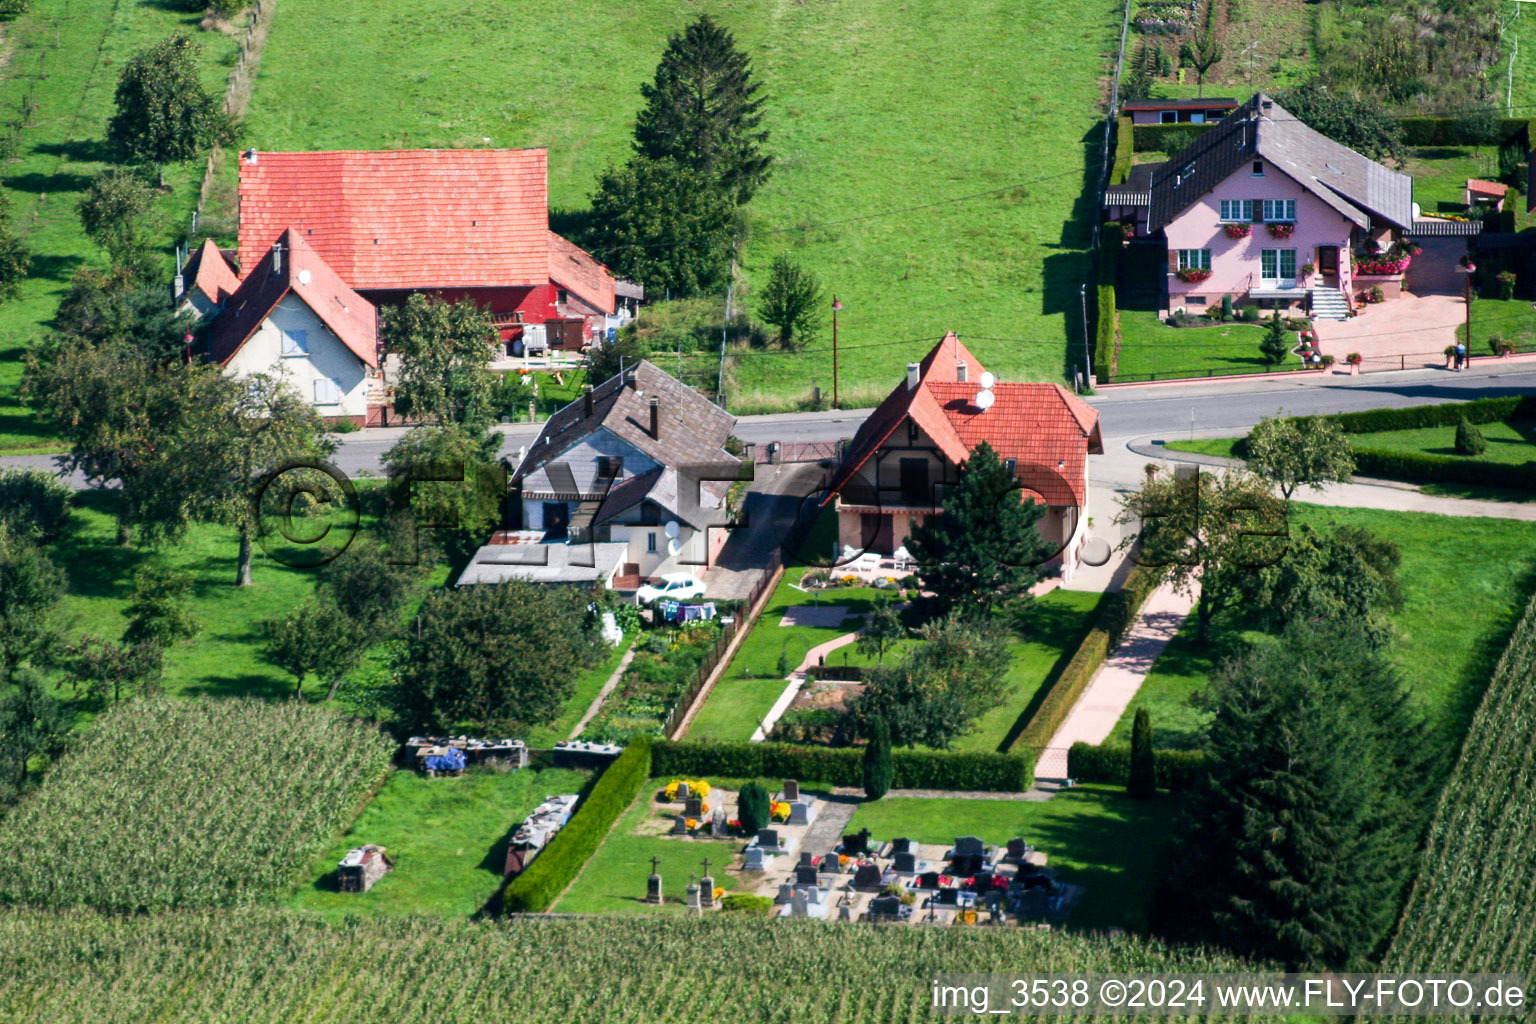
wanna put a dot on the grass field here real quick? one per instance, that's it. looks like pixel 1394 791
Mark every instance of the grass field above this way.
pixel 446 837
pixel 1095 836
pixel 613 881
pixel 67 54
pixel 1511 319
pixel 1151 350
pixel 1462 580
pixel 851 139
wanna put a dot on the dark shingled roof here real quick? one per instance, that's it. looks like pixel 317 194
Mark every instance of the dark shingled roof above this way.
pixel 1357 187
pixel 1210 103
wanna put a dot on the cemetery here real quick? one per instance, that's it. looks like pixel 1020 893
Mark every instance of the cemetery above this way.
pixel 436 756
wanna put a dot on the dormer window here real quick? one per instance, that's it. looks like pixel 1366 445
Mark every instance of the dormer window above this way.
pixel 1258 168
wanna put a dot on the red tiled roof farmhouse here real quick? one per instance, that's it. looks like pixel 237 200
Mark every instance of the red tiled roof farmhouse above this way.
pixel 573 268
pixel 1047 429
pixel 210 273
pixel 405 218
pixel 350 317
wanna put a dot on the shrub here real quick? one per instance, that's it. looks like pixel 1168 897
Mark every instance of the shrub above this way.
pixel 1107 326
pixel 753 807
pixel 1354 359
pixel 537 888
pixel 33 502
pixel 1125 147
pixel 1110 763
pixel 1141 780
pixel 741 902
pixel 844 766
pixel 877 762
pixel 1249 314
pixel 1506 279
pixel 1469 440
pixel 1500 346
pixel 14 8
pixel 1417 467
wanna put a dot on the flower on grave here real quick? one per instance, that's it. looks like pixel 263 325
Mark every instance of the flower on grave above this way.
pixel 692 823
pixel 945 881
pixel 704 807
pixel 779 810
pixel 842 860
pixel 733 823
pixel 671 790
pixel 719 891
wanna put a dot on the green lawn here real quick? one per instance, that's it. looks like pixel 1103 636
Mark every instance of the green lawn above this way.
pixel 850 136
pixel 1095 836
pixel 1511 319
pixel 613 882
pixel 1461 578
pixel 447 838
pixel 1206 446
pixel 67 54
pixel 1151 350
pixel 1440 174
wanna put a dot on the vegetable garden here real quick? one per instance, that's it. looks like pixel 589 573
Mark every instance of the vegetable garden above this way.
pixel 176 804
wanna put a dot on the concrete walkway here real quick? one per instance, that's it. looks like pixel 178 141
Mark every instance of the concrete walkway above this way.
pixel 602 695
pixel 797 680
pixel 1114 686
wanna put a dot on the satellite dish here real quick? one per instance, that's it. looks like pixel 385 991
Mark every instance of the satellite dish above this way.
pixel 987 380
pixel 673 547
pixel 671 529
pixel 984 400
pixel 303 277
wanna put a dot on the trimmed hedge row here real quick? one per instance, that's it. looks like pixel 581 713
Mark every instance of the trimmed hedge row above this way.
pixel 1167 138
pixel 1107 325
pixel 1118 614
pixel 1125 147
pixel 843 766
pixel 1442 469
pixel 1481 410
pixel 1451 131
pixel 1111 763
pixel 536 889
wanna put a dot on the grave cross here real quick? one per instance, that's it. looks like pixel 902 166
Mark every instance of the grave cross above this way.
pixel 655 865
pixel 706 865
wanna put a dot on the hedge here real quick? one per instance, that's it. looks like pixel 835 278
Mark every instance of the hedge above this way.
pixel 1450 131
pixel 1442 469
pixel 1111 763
pixel 1113 622
pixel 1125 147
pixel 1107 325
pixel 1167 138
pixel 536 889
pixel 842 766
pixel 1481 410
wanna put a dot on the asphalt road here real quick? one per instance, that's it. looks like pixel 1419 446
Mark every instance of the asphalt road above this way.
pixel 1168 412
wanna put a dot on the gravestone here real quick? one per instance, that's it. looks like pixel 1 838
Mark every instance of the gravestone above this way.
pixel 680 826
pixel 791 790
pixel 707 887
pixel 969 845
pixel 786 892
pixel 683 792
pixel 867 877
pixel 904 863
pixel 884 907
pixel 693 893
pixel 718 828
pixel 946 898
pixel 799 812
pixel 768 840
pixel 806 859
pixel 928 880
pixel 1017 848
pixel 653 884
pixel 966 864
pixel 756 860
pixel 805 876
pixel 902 845
pixel 693 807
pixel 857 843
pixel 829 863
pixel 799 906
pixel 844 912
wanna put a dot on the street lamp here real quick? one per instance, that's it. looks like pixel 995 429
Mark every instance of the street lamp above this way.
pixel 836 306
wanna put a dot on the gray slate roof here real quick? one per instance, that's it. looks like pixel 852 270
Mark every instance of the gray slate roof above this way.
pixel 1357 187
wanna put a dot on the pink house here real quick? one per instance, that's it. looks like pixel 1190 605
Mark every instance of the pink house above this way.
pixel 1264 209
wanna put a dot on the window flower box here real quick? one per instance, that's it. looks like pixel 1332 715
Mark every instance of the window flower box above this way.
pixel 1383 267
pixel 1238 230
pixel 1193 274
pixel 1281 229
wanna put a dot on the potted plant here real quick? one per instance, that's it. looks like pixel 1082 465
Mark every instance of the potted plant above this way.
pixel 1239 230
pixel 1328 362
pixel 1377 295
pixel 1306 270
pixel 1354 360
pixel 1450 353
pixel 1501 348
pixel 1281 229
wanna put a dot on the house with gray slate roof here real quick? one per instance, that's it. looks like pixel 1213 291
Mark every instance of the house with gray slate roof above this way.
pixel 625 484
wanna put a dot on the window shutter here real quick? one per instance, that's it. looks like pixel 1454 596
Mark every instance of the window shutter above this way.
pixel 1258 211
pixel 1173 260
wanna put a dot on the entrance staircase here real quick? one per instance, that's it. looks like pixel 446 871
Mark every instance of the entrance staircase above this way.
pixel 1328 304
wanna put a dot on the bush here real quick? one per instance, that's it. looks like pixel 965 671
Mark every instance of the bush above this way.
pixel 1141 778
pixel 753 807
pixel 1125 147
pixel 537 888
pixel 13 8
pixel 1167 138
pixel 1506 279
pixel 844 766
pixel 1481 410
pixel 877 762
pixel 1115 617
pixel 1110 763
pixel 1499 346
pixel 1107 326
pixel 1249 314
pixel 1417 467
pixel 740 902
pixel 1469 440
pixel 33 502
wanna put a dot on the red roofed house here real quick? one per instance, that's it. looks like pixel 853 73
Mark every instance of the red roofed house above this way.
pixel 895 468
pixel 293 316
pixel 206 281
pixel 457 223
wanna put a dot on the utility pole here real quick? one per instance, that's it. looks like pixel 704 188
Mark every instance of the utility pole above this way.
pixel 1082 294
pixel 835 307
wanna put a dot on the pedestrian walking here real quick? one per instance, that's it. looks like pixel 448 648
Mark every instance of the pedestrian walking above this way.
pixel 1461 355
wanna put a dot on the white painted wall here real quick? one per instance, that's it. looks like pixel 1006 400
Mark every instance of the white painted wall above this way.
pixel 327 358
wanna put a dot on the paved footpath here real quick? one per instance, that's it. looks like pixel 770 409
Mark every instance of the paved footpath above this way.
pixel 1114 686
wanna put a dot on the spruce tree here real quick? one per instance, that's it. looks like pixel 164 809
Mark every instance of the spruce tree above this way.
pixel 1142 783
pixel 752 807
pixel 877 761
pixel 1275 345
pixel 704 110
pixel 1469 440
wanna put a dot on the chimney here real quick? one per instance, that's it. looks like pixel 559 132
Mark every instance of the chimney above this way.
pixel 586 399
pixel 277 259
pixel 178 288
pixel 629 379
pixel 250 156
pixel 656 418
pixel 914 375
pixel 960 371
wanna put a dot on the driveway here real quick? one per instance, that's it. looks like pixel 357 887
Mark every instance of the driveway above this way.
pixel 1412 330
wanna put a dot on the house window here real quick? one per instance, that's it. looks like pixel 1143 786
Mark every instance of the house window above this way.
pixel 1194 259
pixel 1196 300
pixel 1279 210
pixel 1168 117
pixel 1278 266
pixel 650 542
pixel 295 343
pixel 1237 210
pixel 1011 465
pixel 327 391
pixel 1197 118
pixel 1258 168
pixel 562 296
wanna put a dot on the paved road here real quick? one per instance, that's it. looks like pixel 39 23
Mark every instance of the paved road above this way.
pixel 1164 411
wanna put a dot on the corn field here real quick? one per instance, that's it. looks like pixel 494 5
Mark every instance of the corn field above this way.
pixel 1473 906
pixel 188 804
pixel 259 965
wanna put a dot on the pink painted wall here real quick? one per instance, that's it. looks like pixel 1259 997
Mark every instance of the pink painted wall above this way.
pixel 1233 260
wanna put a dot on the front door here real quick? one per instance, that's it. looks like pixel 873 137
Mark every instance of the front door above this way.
pixel 1328 264
pixel 1277 268
pixel 557 520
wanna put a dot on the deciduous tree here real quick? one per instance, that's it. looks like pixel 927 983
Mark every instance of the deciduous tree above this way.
pixel 1203 54
pixel 113 212
pixel 102 670
pixel 1347 575
pixel 1354 121
pixel 30 587
pixel 445 480
pixel 35 729
pixel 164 115
pixel 157 612
pixel 704 110
pixel 791 301
pixel 33 503
pixel 882 629
pixel 15 257
pixel 314 638
pixel 1307 452
pixel 445 352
